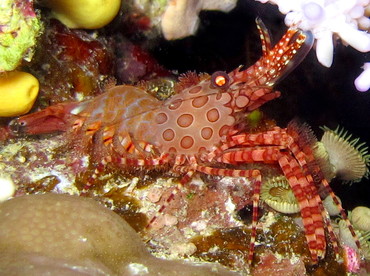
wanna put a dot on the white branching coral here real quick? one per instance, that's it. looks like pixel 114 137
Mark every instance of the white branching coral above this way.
pixel 324 18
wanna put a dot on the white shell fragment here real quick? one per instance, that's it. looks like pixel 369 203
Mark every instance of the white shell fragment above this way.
pixel 360 218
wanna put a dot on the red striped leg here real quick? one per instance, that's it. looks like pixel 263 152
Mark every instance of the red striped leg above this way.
pixel 227 172
pixel 256 198
pixel 91 180
pixel 312 166
pixel 110 147
pixel 266 154
pixel 276 136
pixel 302 135
pixel 342 212
pixel 262 100
pixel 122 161
pixel 122 142
pixel 255 175
pixel 309 165
pixel 333 238
pixel 167 202
pixel 310 212
pixel 305 192
pixel 188 172
pixel 185 179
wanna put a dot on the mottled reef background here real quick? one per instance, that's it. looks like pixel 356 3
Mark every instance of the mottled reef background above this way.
pixel 78 64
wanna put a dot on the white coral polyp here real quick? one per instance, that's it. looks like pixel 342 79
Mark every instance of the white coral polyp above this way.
pixel 326 17
pixel 325 48
pixel 362 82
pixel 313 11
pixel 357 39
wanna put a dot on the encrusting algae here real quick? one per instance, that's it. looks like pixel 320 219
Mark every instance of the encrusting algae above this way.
pixel 20 28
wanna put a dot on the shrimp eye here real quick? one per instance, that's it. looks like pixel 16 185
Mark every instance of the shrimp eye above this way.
pixel 220 79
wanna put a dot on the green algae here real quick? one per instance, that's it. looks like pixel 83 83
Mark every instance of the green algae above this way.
pixel 18 34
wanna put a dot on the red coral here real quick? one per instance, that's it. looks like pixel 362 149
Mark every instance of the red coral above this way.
pixel 4 133
pixel 134 64
pixel 78 47
pixel 69 62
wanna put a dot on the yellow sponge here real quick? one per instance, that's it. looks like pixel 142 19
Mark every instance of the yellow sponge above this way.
pixel 84 14
pixel 18 92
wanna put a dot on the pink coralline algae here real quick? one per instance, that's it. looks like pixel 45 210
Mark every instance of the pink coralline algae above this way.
pixel 271 265
pixel 352 259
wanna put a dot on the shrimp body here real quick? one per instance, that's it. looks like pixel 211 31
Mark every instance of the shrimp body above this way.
pixel 201 127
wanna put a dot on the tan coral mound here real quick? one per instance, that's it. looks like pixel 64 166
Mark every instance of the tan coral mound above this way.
pixel 69 235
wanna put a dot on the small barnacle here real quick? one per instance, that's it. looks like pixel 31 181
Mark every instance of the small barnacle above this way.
pixel 277 194
pixel 345 158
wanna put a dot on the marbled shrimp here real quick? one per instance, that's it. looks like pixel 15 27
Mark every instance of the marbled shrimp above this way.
pixel 199 128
